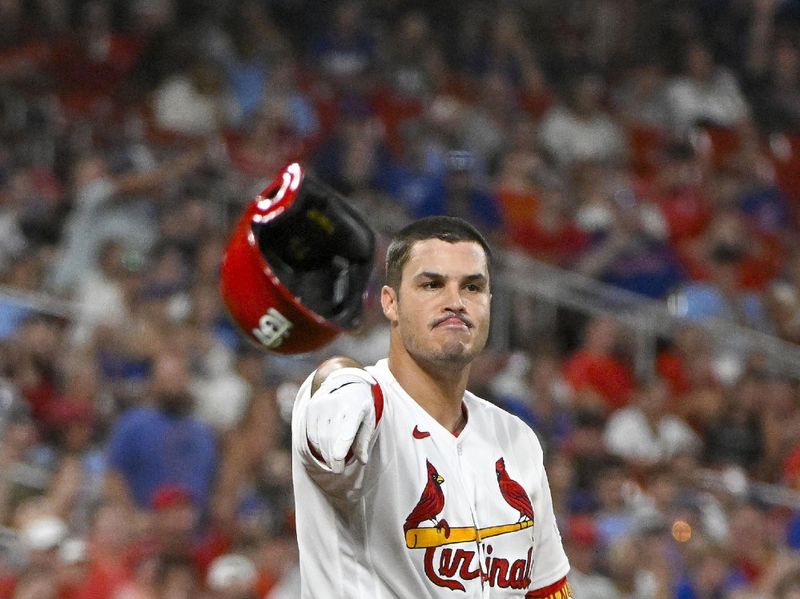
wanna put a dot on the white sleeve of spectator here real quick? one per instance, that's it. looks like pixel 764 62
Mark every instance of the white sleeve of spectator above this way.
pixel 96 193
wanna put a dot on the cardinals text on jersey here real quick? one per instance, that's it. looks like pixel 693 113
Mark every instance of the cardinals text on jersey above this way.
pixel 429 515
pixel 459 564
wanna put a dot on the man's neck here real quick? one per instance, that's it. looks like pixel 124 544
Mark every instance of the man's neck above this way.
pixel 438 390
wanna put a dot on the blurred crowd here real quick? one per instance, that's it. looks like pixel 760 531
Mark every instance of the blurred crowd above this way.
pixel 651 145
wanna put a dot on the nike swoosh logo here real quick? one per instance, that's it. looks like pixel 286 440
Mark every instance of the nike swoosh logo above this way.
pixel 342 385
pixel 418 434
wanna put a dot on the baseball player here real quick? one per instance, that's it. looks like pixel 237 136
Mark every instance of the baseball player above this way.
pixel 407 485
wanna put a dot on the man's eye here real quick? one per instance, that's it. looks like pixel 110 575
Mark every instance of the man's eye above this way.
pixel 431 285
pixel 474 287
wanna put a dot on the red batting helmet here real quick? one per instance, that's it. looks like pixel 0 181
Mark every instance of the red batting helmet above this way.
pixel 297 265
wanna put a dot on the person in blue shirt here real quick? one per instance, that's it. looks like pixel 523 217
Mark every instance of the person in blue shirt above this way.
pixel 458 193
pixel 162 443
pixel 721 297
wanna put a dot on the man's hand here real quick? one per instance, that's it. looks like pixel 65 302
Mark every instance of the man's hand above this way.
pixel 341 418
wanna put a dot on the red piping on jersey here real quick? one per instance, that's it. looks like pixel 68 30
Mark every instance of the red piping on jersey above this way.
pixel 558 590
pixel 377 399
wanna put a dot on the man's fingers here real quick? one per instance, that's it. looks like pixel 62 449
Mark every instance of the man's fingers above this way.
pixel 334 432
pixel 361 445
pixel 349 426
pixel 339 453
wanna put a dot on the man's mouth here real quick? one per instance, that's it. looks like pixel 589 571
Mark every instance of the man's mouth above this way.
pixel 453 320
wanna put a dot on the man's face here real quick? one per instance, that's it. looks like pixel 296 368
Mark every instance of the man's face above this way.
pixel 441 311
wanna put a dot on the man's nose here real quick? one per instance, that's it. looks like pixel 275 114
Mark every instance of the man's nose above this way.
pixel 454 299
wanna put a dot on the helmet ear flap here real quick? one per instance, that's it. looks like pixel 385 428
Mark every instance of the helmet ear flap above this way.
pixel 297 265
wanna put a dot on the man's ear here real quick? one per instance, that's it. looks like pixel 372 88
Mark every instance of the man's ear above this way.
pixel 389 303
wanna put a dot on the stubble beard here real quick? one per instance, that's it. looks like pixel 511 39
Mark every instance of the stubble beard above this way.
pixel 451 355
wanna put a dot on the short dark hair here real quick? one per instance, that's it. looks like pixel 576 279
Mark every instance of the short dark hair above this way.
pixel 447 228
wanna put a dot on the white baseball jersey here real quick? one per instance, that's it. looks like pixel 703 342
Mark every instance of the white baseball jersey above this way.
pixel 431 514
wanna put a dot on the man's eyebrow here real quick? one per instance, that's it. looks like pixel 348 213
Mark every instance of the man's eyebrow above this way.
pixel 430 275
pixel 436 275
pixel 476 277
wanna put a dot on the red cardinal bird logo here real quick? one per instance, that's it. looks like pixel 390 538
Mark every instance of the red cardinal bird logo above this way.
pixel 513 492
pixel 430 503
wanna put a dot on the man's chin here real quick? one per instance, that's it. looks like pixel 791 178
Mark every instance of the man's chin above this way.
pixel 457 354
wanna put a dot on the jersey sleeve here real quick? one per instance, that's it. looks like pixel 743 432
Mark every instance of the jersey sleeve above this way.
pixel 300 445
pixel 558 590
pixel 550 563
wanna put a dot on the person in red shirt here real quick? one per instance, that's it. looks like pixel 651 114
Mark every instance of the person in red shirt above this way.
pixel 91 64
pixel 109 544
pixel 760 255
pixel 686 364
pixel 679 191
pixel 536 212
pixel 596 373
pixel 178 531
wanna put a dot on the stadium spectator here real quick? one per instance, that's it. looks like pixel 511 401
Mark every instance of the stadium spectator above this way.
pixel 772 71
pixel 162 443
pixel 103 210
pixel 757 256
pixel 345 53
pixel 110 538
pixel 507 51
pixel 194 103
pixel 460 193
pixel 722 297
pixel 564 488
pixel 178 577
pixel 91 63
pixel 252 470
pixel 599 378
pixel 630 251
pixel 33 363
pixel 641 99
pixel 486 123
pixel 752 560
pixel 103 293
pixel 704 93
pixel 643 434
pixel 19 199
pixel 537 211
pixel 353 155
pixel 177 532
pixel 410 65
pixel 545 402
pixel 711 576
pixel 255 41
pixel 579 129
pixel 588 458
pixel 735 437
pixel 585 577
pixel 77 480
pixel 687 363
pixel 615 514
pixel 678 188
